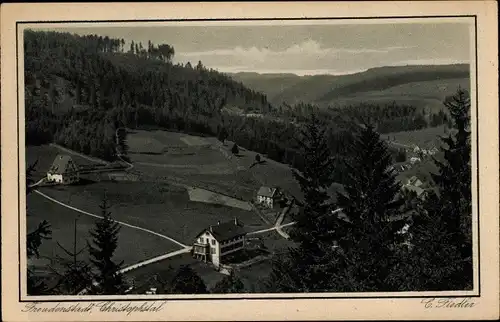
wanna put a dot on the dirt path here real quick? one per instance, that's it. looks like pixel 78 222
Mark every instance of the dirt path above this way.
pixel 279 221
pixel 270 229
pixel 156 259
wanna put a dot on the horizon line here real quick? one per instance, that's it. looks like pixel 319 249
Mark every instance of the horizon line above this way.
pixel 325 72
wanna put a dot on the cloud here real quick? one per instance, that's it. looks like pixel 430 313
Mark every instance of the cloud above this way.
pixel 308 47
pixel 309 57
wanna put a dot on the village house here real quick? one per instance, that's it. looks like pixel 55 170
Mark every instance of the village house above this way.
pixel 267 196
pixel 433 151
pixel 215 242
pixel 414 160
pixel 420 192
pixel 63 170
pixel 414 181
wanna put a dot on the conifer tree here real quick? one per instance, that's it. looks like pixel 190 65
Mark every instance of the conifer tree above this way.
pixel 102 249
pixel 454 177
pixel 34 239
pixel 235 149
pixel 303 269
pixel 187 281
pixel 441 256
pixel 229 284
pixel 367 237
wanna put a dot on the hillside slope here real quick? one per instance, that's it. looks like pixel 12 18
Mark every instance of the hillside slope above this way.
pixel 403 84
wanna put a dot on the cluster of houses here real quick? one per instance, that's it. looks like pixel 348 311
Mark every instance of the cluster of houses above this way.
pixel 421 153
pixel 424 152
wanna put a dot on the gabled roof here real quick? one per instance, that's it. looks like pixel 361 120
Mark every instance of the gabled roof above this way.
pixel 266 192
pixel 419 191
pixel 414 181
pixel 62 164
pixel 226 230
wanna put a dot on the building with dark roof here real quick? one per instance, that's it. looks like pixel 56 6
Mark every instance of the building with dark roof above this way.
pixel 217 241
pixel 63 170
pixel 267 196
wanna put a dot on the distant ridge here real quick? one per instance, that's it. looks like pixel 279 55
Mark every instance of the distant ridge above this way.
pixel 409 84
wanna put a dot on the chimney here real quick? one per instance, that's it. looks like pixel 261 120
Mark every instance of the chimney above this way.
pixel 218 222
pixel 235 221
pixel 211 230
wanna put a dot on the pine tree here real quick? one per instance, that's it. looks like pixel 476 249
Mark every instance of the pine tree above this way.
pixel 187 281
pixel 454 177
pixel 303 269
pixel 77 274
pixel 229 284
pixel 442 254
pixel 367 237
pixel 102 249
pixel 235 150
pixel 34 239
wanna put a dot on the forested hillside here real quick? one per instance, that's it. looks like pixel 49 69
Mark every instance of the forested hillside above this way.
pixel 79 89
pixel 419 85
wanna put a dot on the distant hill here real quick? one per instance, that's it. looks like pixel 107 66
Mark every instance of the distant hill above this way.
pixel 424 85
pixel 270 84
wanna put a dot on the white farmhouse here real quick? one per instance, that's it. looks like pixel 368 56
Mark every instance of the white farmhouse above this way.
pixel 414 160
pixel 267 196
pixel 217 241
pixel 63 170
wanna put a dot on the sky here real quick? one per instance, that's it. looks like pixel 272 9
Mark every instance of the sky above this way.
pixel 303 49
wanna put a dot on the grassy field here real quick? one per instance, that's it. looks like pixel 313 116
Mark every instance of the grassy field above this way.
pixel 205 166
pixel 424 138
pixel 160 207
pixel 133 246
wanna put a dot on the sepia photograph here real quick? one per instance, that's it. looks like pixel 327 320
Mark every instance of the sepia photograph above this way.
pixel 214 159
pixel 301 158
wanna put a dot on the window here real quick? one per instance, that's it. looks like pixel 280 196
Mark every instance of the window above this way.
pixel 201 240
pixel 213 241
pixel 212 250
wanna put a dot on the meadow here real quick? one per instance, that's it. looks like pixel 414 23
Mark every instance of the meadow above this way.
pixel 159 207
pixel 424 138
pixel 133 245
pixel 201 163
